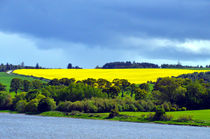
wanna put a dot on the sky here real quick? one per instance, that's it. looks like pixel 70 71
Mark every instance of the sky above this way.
pixel 88 33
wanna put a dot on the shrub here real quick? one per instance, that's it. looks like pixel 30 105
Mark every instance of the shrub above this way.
pixel 166 106
pixel 77 106
pixel 173 109
pixel 150 116
pixel 185 118
pixel 167 117
pixel 183 108
pixel 114 112
pixel 32 106
pixel 21 106
pixel 132 107
pixel 75 113
pixel 5 100
pixel 159 114
pixel 64 106
pixel 89 107
pixel 20 96
pixel 139 107
pixel 46 104
pixel 32 94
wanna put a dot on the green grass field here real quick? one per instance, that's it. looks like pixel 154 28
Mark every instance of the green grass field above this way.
pixel 197 114
pixel 6 78
pixel 199 117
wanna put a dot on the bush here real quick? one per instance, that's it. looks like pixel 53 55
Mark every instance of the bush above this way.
pixel 173 109
pixel 167 117
pixel 159 114
pixel 32 94
pixel 46 104
pixel 77 106
pixel 89 107
pixel 183 108
pixel 20 96
pixel 166 106
pixel 139 107
pixel 64 106
pixel 150 116
pixel 32 106
pixel 5 100
pixel 21 106
pixel 114 112
pixel 185 118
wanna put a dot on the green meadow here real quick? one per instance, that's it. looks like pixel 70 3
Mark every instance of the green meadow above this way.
pixel 199 117
pixel 7 78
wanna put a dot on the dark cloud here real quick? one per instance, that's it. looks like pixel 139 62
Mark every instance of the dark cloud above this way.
pixel 104 23
pixel 99 21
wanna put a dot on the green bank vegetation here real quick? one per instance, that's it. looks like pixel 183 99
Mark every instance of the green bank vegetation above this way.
pixel 164 101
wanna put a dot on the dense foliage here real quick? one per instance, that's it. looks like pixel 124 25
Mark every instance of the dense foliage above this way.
pixel 6 67
pixel 91 95
pixel 128 64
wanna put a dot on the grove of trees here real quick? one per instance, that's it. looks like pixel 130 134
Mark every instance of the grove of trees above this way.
pixel 101 95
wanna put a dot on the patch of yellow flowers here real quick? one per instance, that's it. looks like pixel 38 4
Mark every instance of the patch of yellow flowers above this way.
pixel 132 75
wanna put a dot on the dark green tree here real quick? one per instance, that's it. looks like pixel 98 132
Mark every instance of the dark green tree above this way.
pixel 16 84
pixel 54 82
pixel 46 104
pixel 195 95
pixel 69 66
pixel 132 88
pixel 27 85
pixel 168 89
pixel 144 86
pixel 37 84
pixel 140 93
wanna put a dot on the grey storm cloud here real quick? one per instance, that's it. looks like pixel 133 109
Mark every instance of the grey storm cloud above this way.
pixel 105 22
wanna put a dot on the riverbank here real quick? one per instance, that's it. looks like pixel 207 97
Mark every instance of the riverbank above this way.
pixel 199 117
pixel 135 117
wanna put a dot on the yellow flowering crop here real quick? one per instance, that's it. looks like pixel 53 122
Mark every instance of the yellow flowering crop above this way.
pixel 132 75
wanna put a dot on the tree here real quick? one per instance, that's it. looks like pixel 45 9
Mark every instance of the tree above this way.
pixel 5 100
pixel 2 87
pixel 132 88
pixel 66 81
pixel 37 84
pixel 16 84
pixel 54 82
pixel 69 66
pixel 103 83
pixel 168 89
pixel 46 104
pixel 114 91
pixel 140 93
pixel 90 81
pixel 32 106
pixel 37 66
pixel 27 85
pixel 144 86
pixel 195 95
pixel 124 86
pixel 32 94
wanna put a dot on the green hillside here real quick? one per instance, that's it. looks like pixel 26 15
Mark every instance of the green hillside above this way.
pixel 6 78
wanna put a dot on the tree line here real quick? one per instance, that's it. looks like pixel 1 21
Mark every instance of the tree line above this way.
pixel 101 95
pixel 7 67
pixel 128 64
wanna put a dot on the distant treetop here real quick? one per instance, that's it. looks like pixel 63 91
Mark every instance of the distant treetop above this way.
pixel 128 64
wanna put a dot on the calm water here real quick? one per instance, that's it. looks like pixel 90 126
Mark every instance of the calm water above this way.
pixel 18 126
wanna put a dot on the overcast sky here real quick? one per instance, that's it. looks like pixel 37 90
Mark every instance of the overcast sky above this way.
pixel 88 33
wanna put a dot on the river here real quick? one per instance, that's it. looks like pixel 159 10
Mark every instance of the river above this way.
pixel 20 126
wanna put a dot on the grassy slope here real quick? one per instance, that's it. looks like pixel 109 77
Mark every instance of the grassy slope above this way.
pixel 200 117
pixel 6 78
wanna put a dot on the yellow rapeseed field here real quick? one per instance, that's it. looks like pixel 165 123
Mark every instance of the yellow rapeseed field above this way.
pixel 132 75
